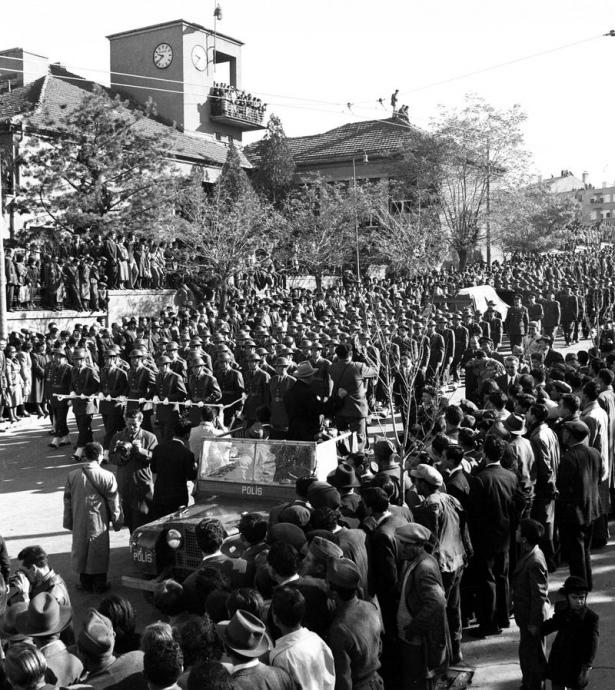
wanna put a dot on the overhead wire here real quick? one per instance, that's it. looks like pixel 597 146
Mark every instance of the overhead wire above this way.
pixel 349 107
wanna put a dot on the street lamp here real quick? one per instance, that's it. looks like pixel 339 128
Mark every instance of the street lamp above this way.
pixel 356 215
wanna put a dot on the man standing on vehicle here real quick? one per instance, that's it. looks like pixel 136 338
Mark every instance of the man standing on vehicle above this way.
pixel 348 385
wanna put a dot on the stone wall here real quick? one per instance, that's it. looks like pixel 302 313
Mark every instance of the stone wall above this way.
pixel 121 303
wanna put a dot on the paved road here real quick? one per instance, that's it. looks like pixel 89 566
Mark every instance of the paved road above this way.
pixel 32 479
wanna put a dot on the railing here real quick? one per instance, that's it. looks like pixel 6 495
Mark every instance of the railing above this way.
pixel 237 109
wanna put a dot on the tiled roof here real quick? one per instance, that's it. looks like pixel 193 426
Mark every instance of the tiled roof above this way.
pixel 374 137
pixel 51 97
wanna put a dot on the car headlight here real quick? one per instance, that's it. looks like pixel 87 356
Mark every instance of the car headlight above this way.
pixel 174 539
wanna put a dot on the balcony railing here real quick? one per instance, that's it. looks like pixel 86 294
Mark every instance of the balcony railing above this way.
pixel 235 109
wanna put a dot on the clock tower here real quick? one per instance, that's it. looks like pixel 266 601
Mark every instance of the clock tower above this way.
pixel 178 65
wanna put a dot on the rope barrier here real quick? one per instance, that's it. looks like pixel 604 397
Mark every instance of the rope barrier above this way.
pixel 154 401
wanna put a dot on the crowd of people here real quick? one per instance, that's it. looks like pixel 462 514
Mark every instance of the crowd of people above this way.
pixel 77 272
pixel 454 523
pixel 230 100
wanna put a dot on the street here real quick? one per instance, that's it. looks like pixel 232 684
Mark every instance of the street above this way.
pixel 32 478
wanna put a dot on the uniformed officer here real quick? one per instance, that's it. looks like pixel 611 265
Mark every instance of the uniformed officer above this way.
pixel 84 381
pixel 60 376
pixel 168 387
pixel 141 384
pixel 202 387
pixel 113 384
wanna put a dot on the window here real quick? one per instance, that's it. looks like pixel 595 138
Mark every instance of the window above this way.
pixel 593 215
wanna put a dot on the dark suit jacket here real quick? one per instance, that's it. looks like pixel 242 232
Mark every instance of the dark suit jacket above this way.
pixel 457 485
pixel 531 588
pixel 304 410
pixel 578 477
pixel 174 465
pixel 383 574
pixel 350 376
pixel 262 677
pixel 496 503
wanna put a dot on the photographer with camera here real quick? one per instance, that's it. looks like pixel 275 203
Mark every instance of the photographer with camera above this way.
pixel 131 450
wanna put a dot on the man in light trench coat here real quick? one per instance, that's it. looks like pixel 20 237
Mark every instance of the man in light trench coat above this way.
pixel 91 503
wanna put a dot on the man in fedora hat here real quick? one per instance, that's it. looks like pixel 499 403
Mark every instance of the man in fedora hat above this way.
pixel 43 620
pixel 245 639
pixel 576 643
pixel 519 458
pixel 302 405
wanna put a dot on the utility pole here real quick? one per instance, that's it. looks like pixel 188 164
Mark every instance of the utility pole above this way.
pixel 3 319
pixel 488 206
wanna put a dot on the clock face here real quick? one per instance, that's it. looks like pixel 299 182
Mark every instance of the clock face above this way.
pixel 199 58
pixel 163 55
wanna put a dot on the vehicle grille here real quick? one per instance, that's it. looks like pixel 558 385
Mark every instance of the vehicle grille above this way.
pixel 189 555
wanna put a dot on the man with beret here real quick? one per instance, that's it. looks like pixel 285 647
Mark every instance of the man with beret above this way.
pixel 443 515
pixel 84 381
pixel 355 632
pixel 422 628
pixel 95 645
pixel 578 503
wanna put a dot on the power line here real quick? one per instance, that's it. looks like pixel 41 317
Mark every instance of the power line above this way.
pixel 494 67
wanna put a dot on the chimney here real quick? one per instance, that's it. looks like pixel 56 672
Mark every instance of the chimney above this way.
pixel 585 177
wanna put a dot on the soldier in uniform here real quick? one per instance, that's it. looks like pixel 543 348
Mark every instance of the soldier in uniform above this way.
pixel 176 364
pixel 321 383
pixel 60 376
pixel 84 381
pixel 494 319
pixel 570 312
pixel 279 384
pixel 113 383
pixel 202 387
pixel 168 386
pixel 462 339
pixel 231 384
pixel 141 383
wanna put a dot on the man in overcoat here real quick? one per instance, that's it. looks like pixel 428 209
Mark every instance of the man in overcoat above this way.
pixel 91 504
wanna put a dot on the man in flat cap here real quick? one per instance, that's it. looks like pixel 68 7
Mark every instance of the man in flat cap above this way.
pixel 443 515
pixel 578 503
pixel 422 628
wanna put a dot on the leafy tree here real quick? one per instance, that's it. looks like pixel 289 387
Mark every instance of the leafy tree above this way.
pixel 276 168
pixel 221 237
pixel 480 160
pixel 233 183
pixel 406 236
pixel 102 167
pixel 320 227
pixel 534 220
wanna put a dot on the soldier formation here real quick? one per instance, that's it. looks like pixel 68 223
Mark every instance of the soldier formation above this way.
pixel 371 579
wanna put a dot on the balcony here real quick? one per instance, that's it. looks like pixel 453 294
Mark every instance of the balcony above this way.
pixel 235 108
